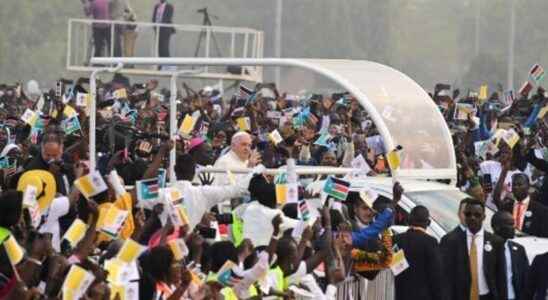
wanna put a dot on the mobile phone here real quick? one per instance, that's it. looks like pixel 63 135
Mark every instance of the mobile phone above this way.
pixel 207 232
pixel 487 183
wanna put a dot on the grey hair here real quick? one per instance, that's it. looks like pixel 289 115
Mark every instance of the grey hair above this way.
pixel 238 136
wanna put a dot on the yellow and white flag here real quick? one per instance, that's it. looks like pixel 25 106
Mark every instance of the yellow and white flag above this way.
pixel 83 100
pixel 76 232
pixel 483 92
pixel 77 282
pixel 14 251
pixel 69 112
pixel 91 184
pixel 187 126
pixel 29 117
pixel 130 251
pixel 179 248
pixel 275 137
pixel 244 123
pixel 120 94
pixel 394 160
pixel 116 271
pixel 112 221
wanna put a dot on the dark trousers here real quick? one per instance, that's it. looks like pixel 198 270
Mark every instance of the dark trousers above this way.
pixel 163 43
pixel 486 297
pixel 101 39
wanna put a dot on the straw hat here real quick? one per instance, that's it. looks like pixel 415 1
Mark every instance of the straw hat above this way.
pixel 45 185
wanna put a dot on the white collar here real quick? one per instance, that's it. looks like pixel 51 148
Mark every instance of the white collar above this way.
pixel 478 234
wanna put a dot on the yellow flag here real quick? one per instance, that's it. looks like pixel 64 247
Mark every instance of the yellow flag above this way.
pixel 69 112
pixel 244 123
pixel 187 126
pixel 281 193
pixel 275 137
pixel 542 112
pixel 115 268
pixel 117 291
pixel 393 158
pixel 130 251
pixel 483 92
pixel 120 94
pixel 14 251
pixel 91 184
pixel 76 232
pixel 29 117
pixel 183 214
pixel 83 100
pixel 76 282
pixel 178 248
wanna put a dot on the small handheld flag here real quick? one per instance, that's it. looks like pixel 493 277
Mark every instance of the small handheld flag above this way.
pixel 148 190
pixel 536 73
pixel 91 184
pixel 336 188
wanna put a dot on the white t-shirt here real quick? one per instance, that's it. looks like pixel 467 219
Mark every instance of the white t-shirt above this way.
pixel 59 207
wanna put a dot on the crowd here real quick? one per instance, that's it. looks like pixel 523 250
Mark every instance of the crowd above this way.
pixel 119 232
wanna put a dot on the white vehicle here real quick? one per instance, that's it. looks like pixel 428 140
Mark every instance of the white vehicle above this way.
pixel 442 201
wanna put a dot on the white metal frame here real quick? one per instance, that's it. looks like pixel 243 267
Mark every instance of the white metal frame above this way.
pixel 253 47
pixel 276 62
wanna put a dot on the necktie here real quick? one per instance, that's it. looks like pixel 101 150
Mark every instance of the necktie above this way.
pixel 518 216
pixel 474 286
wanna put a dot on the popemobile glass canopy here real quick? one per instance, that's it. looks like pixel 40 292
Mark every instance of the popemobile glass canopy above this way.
pixel 402 111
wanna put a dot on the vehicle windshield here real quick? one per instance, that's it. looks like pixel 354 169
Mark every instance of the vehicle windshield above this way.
pixel 444 205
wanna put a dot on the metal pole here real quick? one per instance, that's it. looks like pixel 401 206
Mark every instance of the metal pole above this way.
pixel 478 19
pixel 511 45
pixel 173 126
pixel 278 38
pixel 93 111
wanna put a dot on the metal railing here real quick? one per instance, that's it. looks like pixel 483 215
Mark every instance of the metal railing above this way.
pixel 128 39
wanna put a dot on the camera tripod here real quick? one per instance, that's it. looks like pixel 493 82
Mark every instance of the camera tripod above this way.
pixel 206 22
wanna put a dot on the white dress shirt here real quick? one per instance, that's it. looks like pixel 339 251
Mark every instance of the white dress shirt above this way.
pixel 482 284
pixel 508 256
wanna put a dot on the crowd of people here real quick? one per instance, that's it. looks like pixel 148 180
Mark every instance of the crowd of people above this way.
pixel 119 231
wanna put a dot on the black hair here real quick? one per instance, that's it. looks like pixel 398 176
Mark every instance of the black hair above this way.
pixel 476 202
pixel 52 136
pixel 185 167
pixel 11 208
pixel 158 262
pixel 262 191
pixel 220 252
pixel 520 176
pixel 464 202
pixel 497 218
pixel 336 218
pixel 419 216
pixel 291 210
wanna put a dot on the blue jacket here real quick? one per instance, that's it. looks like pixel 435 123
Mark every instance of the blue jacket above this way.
pixel 382 221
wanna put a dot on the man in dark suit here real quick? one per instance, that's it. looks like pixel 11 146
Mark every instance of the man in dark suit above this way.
pixel 530 216
pixel 515 258
pixel 163 14
pixel 536 284
pixel 422 280
pixel 472 260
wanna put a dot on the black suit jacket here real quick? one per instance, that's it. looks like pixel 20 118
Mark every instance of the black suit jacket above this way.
pixel 520 266
pixel 455 261
pixel 422 280
pixel 536 284
pixel 167 17
pixel 535 221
